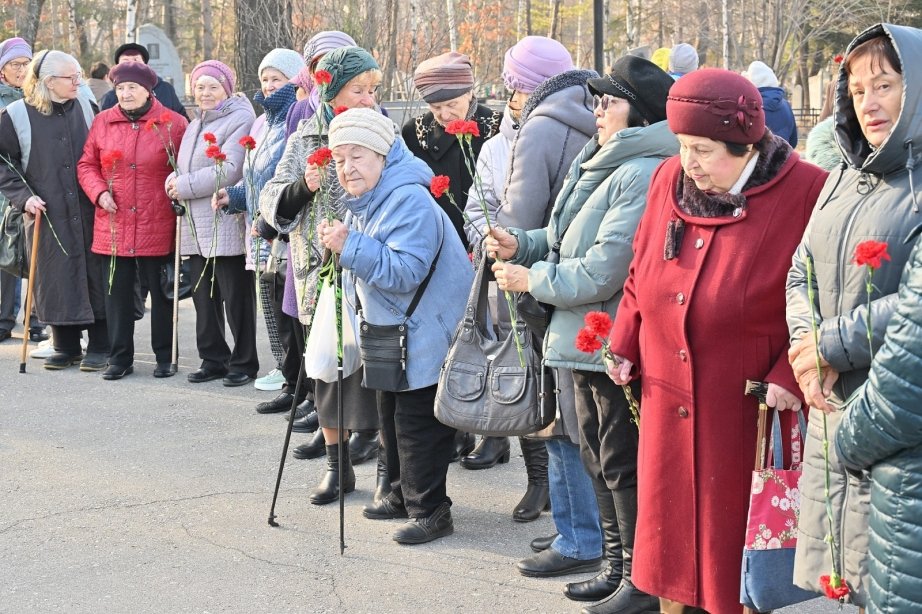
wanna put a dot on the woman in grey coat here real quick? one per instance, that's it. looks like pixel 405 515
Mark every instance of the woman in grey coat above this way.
pixel 42 136
pixel 878 101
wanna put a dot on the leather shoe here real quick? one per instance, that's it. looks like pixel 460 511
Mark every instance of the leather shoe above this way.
pixel 5 334
pixel 307 424
pixel 61 360
pixel 421 530
pixel 94 361
pixel 36 335
pixel 550 563
pixel 304 407
pixel 464 445
pixel 237 379
pixel 164 369
pixel 597 588
pixel 114 372
pixel 363 446
pixel 540 544
pixel 489 451
pixel 280 403
pixel 204 375
pixel 315 448
pixel 386 508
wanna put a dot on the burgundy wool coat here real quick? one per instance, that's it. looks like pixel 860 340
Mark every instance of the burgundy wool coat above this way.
pixel 697 327
pixel 145 224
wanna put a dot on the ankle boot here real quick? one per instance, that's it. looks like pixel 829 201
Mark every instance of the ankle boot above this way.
pixel 536 496
pixel 627 599
pixel 315 448
pixel 609 578
pixel 328 489
pixel 464 445
pixel 489 451
pixel 383 484
pixel 363 446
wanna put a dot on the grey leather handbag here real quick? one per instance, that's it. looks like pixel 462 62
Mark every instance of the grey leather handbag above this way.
pixel 483 387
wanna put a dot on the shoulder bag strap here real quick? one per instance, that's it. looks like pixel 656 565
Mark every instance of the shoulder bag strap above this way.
pixel 422 286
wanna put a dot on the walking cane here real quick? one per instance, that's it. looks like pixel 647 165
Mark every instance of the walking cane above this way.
pixel 174 367
pixel 291 423
pixel 339 403
pixel 32 259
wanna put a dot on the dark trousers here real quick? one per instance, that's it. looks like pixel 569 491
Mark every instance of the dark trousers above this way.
pixel 234 295
pixel 67 338
pixel 607 437
pixel 11 301
pixel 418 448
pixel 121 307
pixel 291 335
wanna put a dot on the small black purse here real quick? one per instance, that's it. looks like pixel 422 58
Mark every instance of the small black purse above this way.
pixel 535 314
pixel 168 276
pixel 13 257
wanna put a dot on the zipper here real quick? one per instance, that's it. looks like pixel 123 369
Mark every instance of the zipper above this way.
pixel 843 257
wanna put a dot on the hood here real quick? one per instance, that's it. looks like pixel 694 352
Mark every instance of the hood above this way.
pixel 234 104
pixel 8 93
pixel 894 153
pixel 653 141
pixel 401 168
pixel 564 98
pixel 772 98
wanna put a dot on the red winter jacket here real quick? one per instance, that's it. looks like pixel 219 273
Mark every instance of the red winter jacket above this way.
pixel 145 224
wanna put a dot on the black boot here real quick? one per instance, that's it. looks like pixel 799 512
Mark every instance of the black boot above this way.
pixel 383 485
pixel 489 451
pixel 363 446
pixel 315 448
pixel 536 496
pixel 609 579
pixel 627 599
pixel 464 445
pixel 328 489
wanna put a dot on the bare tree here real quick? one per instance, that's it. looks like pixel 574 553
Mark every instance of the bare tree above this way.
pixel 262 25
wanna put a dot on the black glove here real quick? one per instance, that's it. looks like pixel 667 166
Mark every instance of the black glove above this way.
pixel 178 208
pixel 265 230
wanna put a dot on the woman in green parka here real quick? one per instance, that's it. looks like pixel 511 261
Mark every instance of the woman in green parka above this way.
pixel 594 221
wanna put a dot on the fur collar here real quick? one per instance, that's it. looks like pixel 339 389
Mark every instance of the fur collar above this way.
pixel 571 78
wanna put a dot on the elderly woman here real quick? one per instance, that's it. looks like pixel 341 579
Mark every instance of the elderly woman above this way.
pixel 276 96
pixel 396 238
pixel 318 46
pixel 224 285
pixel 294 203
pixel 592 226
pixel 871 199
pixel 123 167
pixel 702 312
pixel 15 55
pixel 42 137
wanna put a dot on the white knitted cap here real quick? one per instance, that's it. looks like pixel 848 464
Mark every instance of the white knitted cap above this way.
pixel 365 127
pixel 761 75
pixel 286 61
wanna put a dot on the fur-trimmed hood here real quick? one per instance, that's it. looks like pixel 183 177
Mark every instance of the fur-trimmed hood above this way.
pixel 558 96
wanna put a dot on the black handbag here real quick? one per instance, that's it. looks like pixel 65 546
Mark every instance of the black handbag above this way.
pixel 13 257
pixel 483 386
pixel 168 277
pixel 384 346
pixel 537 315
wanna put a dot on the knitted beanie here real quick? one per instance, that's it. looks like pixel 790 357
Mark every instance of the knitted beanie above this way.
pixel 683 59
pixel 717 104
pixel 134 72
pixel 365 127
pixel 285 61
pixel 761 75
pixel 13 48
pixel 325 42
pixel 216 70
pixel 444 77
pixel 532 60
pixel 660 57
pixel 303 79
pixel 344 63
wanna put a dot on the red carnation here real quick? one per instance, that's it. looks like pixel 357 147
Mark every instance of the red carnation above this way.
pixel 587 341
pixel 111 158
pixel 210 138
pixel 322 77
pixel 220 157
pixel 339 110
pixel 460 127
pixel 599 323
pixel 838 59
pixel 321 157
pixel 834 588
pixel 438 185
pixel 248 142
pixel 871 253
pixel 150 124
pixel 212 151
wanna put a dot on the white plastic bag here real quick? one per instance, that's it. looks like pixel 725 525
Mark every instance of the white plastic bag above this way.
pixel 320 360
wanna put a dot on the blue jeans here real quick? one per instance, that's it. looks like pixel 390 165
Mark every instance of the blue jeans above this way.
pixel 573 504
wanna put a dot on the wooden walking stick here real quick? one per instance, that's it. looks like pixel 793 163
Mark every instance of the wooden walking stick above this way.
pixel 32 259
pixel 174 367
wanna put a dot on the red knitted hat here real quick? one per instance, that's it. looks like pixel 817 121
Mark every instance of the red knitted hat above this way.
pixel 135 72
pixel 717 104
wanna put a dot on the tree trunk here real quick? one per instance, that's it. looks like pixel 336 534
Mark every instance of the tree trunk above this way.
pixel 33 17
pixel 262 25
pixel 452 25
pixel 131 21
pixel 207 32
pixel 169 19
pixel 390 61
pixel 555 19
pixel 528 30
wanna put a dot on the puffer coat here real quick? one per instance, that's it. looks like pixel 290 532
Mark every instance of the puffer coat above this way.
pixel 145 224
pixel 871 199
pixel 881 431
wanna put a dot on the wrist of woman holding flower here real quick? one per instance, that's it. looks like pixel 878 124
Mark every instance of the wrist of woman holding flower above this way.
pixel 511 277
pixel 500 243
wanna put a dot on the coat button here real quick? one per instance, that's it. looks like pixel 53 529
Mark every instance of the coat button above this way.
pixel 133 209
pixel 133 165
pixel 683 355
pixel 683 413
pixel 680 298
pixel 699 243
pixel 435 148
pixel 737 212
pixel 131 251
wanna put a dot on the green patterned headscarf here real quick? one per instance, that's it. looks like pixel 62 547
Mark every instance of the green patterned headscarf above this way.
pixel 343 64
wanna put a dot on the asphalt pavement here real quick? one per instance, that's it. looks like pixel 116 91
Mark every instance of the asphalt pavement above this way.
pixel 152 495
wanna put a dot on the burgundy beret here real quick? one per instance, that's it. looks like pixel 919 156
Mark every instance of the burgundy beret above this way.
pixel 134 72
pixel 717 104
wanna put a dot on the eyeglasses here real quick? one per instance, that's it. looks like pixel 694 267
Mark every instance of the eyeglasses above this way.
pixel 17 66
pixel 75 79
pixel 603 101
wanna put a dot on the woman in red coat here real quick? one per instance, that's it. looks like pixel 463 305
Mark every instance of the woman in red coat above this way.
pixel 122 170
pixel 703 311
